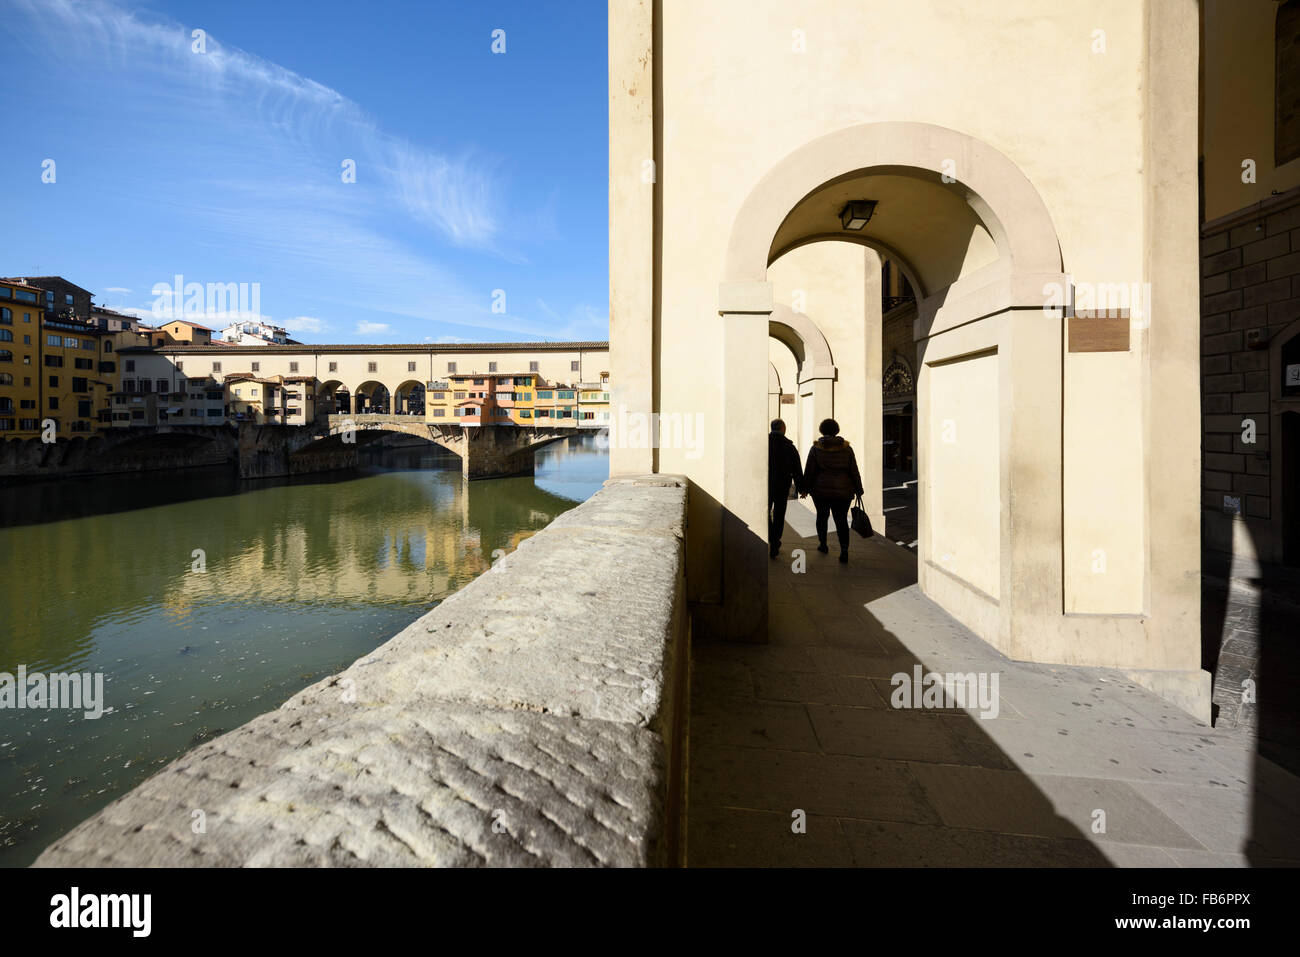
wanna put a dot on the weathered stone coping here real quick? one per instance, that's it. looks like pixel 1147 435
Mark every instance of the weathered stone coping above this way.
pixel 533 718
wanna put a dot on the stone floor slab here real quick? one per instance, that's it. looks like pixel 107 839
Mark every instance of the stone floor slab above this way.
pixel 888 844
pixel 944 787
pixel 753 724
pixel 736 837
pixel 782 781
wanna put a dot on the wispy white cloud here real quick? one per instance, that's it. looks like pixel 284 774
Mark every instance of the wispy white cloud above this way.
pixel 251 167
pixel 241 98
pixel 454 196
pixel 119 289
pixel 305 324
pixel 367 328
pixel 208 317
pixel 583 321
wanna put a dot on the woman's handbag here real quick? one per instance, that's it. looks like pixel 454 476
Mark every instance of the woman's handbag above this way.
pixel 861 524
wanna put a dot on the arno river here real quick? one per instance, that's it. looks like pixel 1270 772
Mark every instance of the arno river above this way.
pixel 302 577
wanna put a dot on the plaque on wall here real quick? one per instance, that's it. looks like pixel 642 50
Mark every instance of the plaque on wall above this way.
pixel 1099 331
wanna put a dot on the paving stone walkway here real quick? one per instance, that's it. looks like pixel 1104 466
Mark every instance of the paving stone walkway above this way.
pixel 1250 620
pixel 899 501
pixel 805 724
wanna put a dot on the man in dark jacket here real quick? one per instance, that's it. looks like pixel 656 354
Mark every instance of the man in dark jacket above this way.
pixel 782 469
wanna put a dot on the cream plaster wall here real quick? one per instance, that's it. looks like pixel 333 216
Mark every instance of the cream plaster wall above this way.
pixel 964 525
pixel 391 369
pixel 1237 114
pixel 1093 107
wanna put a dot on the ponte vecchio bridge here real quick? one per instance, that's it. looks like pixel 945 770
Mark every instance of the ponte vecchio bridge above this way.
pixel 307 408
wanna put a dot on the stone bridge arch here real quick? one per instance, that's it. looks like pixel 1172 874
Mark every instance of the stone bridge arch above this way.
pixel 485 451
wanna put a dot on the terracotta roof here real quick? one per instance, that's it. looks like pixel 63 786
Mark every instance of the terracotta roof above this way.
pixel 439 348
pixel 22 282
pixel 62 280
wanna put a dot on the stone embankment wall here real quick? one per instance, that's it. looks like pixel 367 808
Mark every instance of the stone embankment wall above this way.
pixel 536 717
pixel 114 451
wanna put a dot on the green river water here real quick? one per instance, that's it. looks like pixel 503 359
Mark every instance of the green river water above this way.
pixel 302 577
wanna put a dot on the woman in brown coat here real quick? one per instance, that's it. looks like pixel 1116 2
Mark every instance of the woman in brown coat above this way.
pixel 832 478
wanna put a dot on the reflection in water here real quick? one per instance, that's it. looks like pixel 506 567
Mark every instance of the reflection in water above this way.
pixel 302 577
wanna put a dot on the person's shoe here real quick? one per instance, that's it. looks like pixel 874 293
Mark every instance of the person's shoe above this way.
pixel 844 557
pixel 774 551
pixel 823 549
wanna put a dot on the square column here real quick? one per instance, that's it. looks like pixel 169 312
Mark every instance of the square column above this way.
pixel 745 309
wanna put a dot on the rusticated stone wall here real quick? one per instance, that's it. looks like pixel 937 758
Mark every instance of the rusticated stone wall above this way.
pixel 116 450
pixel 534 718
pixel 1250 303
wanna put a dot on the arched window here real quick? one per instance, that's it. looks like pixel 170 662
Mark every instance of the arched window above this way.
pixel 6 315
pixel 6 355
pixel 6 378
pixel 897 379
pixel 1286 83
pixel 6 335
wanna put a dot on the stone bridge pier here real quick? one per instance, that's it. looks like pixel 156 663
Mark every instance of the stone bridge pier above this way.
pixel 496 451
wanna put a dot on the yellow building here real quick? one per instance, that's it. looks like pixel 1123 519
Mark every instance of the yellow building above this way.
pixel 296 396
pixel 593 402
pixel 250 399
pixel 555 403
pixel 71 389
pixel 109 370
pixel 181 332
pixel 522 397
pixel 438 401
pixel 20 312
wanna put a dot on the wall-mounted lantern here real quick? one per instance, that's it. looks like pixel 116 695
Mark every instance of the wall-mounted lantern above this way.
pixel 857 212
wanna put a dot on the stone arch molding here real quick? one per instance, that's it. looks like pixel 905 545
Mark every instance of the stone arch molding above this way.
pixel 773 379
pixel 804 339
pixel 1003 198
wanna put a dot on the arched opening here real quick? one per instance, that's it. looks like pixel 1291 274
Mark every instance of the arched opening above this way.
pixel 372 398
pixel 970 238
pixel 408 398
pixel 800 350
pixel 774 393
pixel 333 398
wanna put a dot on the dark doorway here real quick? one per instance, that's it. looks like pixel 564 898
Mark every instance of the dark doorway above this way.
pixel 897 453
pixel 1290 503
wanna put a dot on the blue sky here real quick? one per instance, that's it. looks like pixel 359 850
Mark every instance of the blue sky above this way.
pixel 475 171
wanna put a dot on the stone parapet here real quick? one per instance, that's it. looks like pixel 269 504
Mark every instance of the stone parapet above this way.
pixel 534 718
